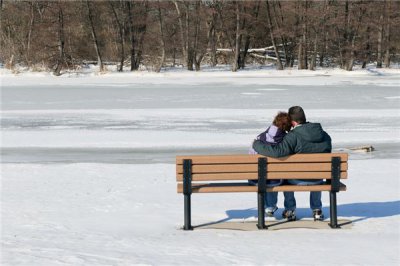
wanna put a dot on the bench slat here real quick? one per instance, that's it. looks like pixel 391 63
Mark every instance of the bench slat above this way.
pixel 245 158
pixel 246 168
pixel 242 187
pixel 272 175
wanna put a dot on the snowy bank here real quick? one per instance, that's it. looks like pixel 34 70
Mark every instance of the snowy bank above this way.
pixel 110 214
pixel 252 75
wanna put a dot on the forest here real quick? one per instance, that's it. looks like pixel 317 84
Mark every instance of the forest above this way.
pixel 152 35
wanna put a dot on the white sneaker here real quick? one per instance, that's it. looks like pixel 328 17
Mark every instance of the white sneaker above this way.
pixel 270 211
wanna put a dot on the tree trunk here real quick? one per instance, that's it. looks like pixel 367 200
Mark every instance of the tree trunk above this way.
pixel 61 42
pixel 212 40
pixel 29 37
pixel 388 7
pixel 242 59
pixel 241 52
pixel 302 39
pixel 325 34
pixel 278 26
pixel 161 27
pixel 183 39
pixel 279 65
pixel 94 36
pixel 367 52
pixel 189 42
pixel 142 30
pixel 121 38
pixel 313 62
pixel 305 30
pixel 196 34
pixel 198 53
pixel 380 39
pixel 235 64
pixel 350 61
pixel 249 28
pixel 344 46
pixel 132 40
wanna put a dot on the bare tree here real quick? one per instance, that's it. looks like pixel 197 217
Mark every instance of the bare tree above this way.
pixel 61 42
pixel 136 32
pixel 161 25
pixel 94 36
pixel 30 31
pixel 212 24
pixel 302 46
pixel 279 22
pixel 279 65
pixel 337 33
pixel 380 41
pixel 388 10
pixel 183 37
pixel 235 63
pixel 120 40
pixel 367 49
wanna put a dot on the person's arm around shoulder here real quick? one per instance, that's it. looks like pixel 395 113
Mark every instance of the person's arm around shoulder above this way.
pixel 285 148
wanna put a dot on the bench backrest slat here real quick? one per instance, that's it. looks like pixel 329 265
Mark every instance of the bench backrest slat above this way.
pixel 272 175
pixel 248 168
pixel 244 167
pixel 244 158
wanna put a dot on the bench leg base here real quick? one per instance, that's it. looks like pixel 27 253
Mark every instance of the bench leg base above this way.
pixel 334 226
pixel 262 227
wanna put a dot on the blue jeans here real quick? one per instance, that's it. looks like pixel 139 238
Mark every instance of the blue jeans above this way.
pixel 271 198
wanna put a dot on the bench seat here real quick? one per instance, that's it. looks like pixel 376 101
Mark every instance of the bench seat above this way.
pixel 243 187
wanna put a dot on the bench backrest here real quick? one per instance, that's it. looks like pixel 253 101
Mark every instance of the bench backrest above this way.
pixel 209 168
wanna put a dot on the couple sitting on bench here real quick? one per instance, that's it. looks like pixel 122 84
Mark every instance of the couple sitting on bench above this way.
pixel 289 134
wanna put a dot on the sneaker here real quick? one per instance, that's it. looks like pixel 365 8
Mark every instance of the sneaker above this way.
pixel 270 211
pixel 289 215
pixel 318 215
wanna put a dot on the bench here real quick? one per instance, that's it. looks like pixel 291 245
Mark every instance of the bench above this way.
pixel 230 173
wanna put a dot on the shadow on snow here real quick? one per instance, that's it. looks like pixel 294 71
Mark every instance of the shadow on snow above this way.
pixel 362 210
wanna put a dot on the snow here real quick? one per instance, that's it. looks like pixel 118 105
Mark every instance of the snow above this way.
pixel 88 174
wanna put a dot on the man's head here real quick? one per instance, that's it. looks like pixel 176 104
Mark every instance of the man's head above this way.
pixel 297 115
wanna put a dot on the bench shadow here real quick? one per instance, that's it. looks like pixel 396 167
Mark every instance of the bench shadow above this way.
pixel 362 210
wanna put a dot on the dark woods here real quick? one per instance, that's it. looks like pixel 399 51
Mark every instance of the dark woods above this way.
pixel 156 34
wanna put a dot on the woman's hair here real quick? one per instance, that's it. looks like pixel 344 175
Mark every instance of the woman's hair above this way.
pixel 282 121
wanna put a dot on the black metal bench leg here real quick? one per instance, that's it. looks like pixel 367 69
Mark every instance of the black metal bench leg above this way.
pixel 261 213
pixel 333 210
pixel 335 187
pixel 187 192
pixel 187 213
pixel 262 185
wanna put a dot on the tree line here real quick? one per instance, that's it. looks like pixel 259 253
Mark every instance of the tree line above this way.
pixel 155 34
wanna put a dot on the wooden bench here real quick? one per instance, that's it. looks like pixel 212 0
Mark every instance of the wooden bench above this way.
pixel 230 173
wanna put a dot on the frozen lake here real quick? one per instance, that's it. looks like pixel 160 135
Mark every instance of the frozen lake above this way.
pixel 124 121
pixel 226 95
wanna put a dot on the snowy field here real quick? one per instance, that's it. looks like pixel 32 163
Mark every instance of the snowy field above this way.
pixel 88 174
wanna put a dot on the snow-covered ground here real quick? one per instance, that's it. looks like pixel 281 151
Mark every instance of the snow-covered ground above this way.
pixel 88 174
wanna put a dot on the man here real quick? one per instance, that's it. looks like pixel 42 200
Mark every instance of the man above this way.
pixel 305 137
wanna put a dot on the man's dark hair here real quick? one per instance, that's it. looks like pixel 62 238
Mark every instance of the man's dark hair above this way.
pixel 297 114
